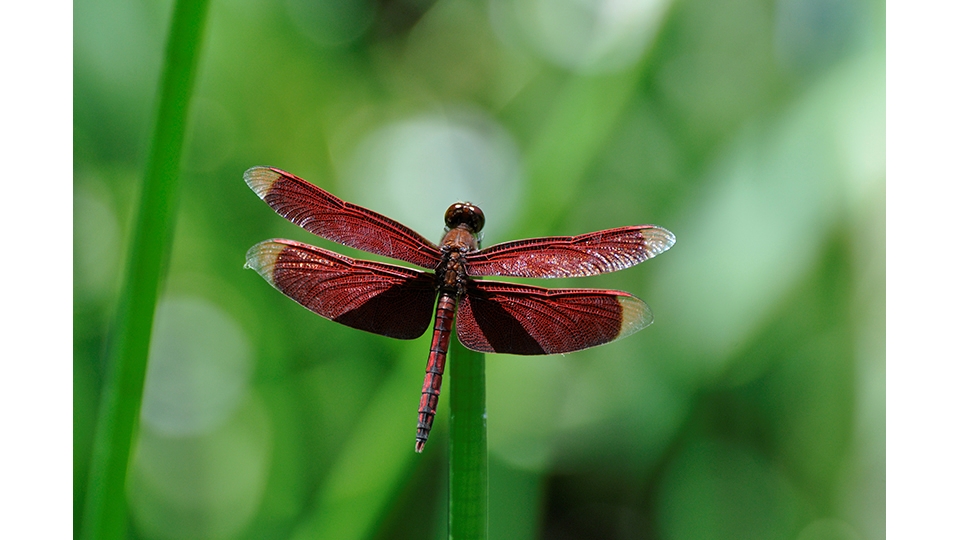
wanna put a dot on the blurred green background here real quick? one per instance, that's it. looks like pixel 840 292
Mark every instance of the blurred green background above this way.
pixel 753 129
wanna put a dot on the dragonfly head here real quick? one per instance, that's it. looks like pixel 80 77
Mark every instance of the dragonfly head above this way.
pixel 465 214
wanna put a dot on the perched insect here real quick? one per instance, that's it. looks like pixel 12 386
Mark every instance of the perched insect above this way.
pixel 491 316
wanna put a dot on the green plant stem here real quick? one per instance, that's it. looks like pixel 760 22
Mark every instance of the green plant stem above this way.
pixel 468 445
pixel 105 513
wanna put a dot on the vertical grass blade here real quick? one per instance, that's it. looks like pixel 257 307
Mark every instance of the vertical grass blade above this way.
pixel 105 511
pixel 468 444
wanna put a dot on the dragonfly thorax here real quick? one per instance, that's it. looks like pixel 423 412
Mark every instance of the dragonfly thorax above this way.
pixel 452 269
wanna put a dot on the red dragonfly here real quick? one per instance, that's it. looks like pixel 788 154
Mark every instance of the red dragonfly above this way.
pixel 492 316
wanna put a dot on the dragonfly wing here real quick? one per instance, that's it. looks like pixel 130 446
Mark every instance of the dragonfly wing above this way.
pixel 381 298
pixel 519 319
pixel 332 218
pixel 571 256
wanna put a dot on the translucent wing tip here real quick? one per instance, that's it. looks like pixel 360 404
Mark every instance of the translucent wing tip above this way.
pixel 261 179
pixel 635 315
pixel 263 258
pixel 657 240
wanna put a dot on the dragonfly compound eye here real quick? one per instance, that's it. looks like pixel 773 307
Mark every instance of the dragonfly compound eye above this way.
pixel 464 214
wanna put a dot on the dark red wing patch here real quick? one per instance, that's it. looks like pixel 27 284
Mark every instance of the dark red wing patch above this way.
pixel 518 319
pixel 571 256
pixel 381 298
pixel 329 217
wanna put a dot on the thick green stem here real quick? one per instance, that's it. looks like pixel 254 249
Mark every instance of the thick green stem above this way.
pixel 468 445
pixel 105 513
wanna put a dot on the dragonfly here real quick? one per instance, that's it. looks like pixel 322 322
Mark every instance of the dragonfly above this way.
pixel 400 302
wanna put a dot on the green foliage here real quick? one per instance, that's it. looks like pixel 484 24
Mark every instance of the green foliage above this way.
pixel 105 515
pixel 752 408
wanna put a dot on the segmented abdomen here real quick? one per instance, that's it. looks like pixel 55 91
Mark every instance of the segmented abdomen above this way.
pixel 442 327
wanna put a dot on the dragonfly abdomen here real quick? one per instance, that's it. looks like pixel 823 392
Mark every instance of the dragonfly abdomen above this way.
pixel 430 395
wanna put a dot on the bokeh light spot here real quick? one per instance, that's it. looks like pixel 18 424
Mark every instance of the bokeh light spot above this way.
pixel 199 367
pixel 204 486
pixel 414 169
